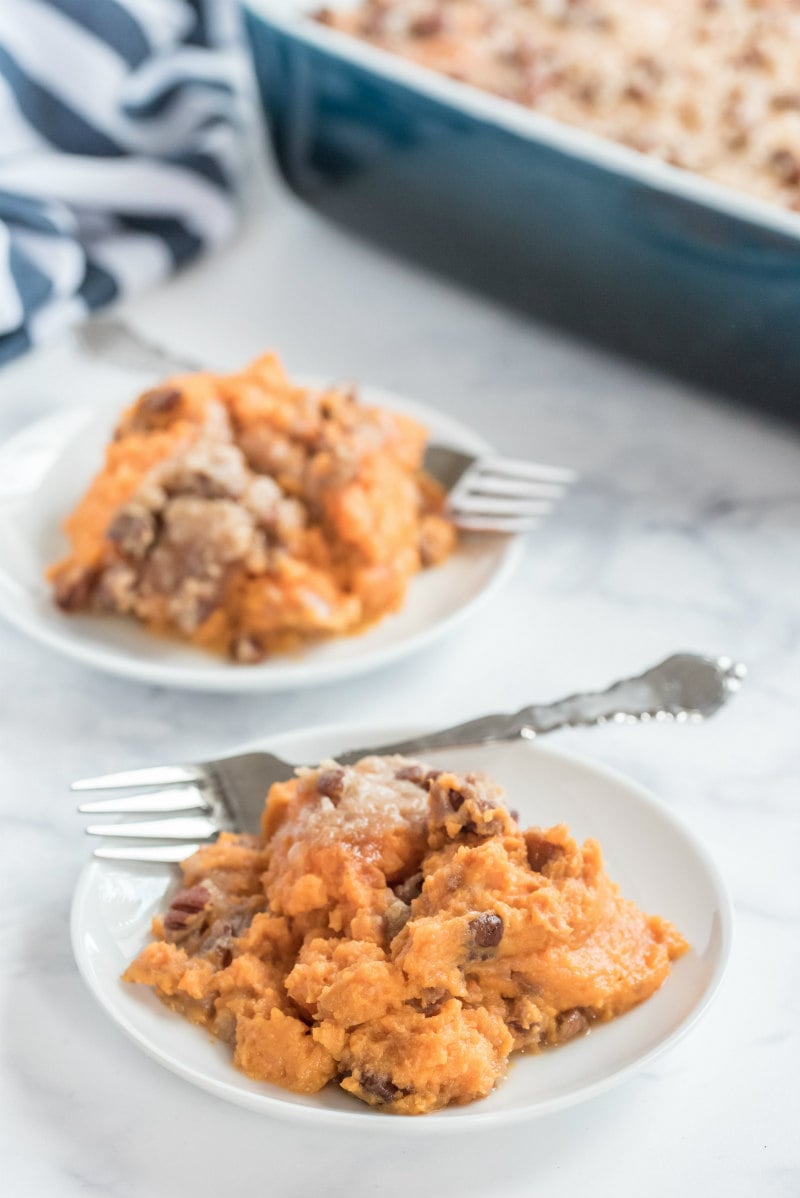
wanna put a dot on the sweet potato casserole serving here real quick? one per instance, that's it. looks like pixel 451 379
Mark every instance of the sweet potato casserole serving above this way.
pixel 248 515
pixel 395 931
pixel 709 85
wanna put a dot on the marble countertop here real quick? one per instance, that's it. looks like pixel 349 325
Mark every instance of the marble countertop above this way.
pixel 684 533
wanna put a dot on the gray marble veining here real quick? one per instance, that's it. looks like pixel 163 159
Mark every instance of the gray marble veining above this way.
pixel 684 534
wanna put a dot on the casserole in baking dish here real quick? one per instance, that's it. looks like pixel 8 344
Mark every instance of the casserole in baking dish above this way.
pixel 683 272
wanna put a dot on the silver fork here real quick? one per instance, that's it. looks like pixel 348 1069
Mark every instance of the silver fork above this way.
pixel 484 494
pixel 228 794
pixel 496 494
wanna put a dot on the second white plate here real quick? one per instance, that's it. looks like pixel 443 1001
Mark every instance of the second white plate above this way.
pixel 651 855
pixel 45 469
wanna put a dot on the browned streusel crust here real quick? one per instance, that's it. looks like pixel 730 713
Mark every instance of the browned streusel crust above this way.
pixel 396 930
pixel 709 85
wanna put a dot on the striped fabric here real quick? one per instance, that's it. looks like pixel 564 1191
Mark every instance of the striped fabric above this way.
pixel 121 135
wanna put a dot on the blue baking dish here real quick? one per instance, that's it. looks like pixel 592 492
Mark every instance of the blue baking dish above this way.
pixel 647 259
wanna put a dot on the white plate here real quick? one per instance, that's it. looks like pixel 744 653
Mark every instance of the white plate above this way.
pixel 45 469
pixel 654 858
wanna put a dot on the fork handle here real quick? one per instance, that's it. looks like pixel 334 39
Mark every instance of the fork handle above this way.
pixel 630 698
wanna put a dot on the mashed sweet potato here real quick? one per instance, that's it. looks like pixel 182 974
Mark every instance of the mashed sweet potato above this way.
pixel 395 930
pixel 249 515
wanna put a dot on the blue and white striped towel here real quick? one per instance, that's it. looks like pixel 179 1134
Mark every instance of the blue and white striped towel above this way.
pixel 121 144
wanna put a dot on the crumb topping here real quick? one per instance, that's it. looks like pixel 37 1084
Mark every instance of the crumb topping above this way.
pixel 712 86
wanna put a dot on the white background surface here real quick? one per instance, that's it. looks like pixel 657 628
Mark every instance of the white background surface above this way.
pixel 685 533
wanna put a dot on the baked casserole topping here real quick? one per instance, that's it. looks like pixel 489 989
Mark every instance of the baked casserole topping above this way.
pixel 712 86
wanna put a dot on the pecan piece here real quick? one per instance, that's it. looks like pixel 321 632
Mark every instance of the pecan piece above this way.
pixel 411 773
pixel 132 530
pixel 429 1003
pixel 475 807
pixel 540 851
pixel 409 889
pixel 528 1036
pixel 486 931
pixel 786 166
pixel 330 784
pixel 380 1086
pixel 155 408
pixel 427 24
pixel 184 907
pixel 73 588
pixel 786 102
pixel 395 918
pixel 159 400
pixel 456 799
pixel 570 1024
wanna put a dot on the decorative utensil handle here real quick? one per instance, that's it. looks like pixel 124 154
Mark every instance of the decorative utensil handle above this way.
pixel 686 686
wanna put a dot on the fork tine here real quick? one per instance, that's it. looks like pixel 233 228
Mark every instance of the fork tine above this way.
pixel 517 468
pixel 166 854
pixel 198 827
pixel 156 775
pixel 500 524
pixel 489 505
pixel 492 484
pixel 185 798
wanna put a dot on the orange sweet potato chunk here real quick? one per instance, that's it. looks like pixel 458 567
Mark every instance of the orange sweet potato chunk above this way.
pixel 278 1048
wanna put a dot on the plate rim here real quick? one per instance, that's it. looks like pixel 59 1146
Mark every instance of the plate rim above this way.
pixel 470 1116
pixel 286 675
